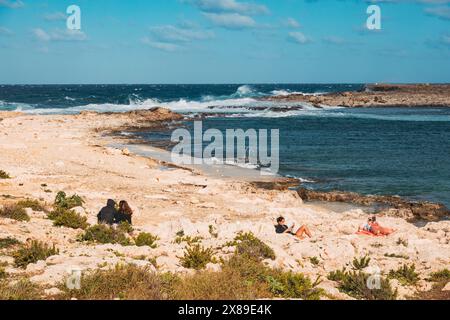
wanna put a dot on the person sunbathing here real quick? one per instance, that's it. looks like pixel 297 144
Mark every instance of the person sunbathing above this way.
pixel 373 227
pixel 281 227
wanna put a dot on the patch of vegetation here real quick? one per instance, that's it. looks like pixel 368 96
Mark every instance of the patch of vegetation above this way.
pixel 125 227
pixel 440 276
pixel 361 263
pixel 146 239
pixel 248 244
pixel 33 204
pixel 19 290
pixel 355 284
pixel 14 212
pixel 180 233
pixel 64 202
pixel 6 243
pixel 188 239
pixel 376 245
pixel 33 252
pixel 212 231
pixel 102 233
pixel 314 260
pixel 4 175
pixel 337 275
pixel 123 282
pixel 295 286
pixel 3 273
pixel 403 242
pixel 406 275
pixel 197 257
pixel 67 218
pixel 399 256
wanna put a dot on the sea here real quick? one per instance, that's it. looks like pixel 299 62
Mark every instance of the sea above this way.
pixel 383 151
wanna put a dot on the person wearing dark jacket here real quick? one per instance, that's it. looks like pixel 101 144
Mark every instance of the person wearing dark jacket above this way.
pixel 108 213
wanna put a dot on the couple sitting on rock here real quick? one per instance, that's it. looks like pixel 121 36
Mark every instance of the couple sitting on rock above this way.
pixel 110 215
pixel 373 228
pixel 281 227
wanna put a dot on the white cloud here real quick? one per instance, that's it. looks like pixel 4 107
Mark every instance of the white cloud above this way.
pixel 440 12
pixel 230 20
pixel 59 35
pixel 298 37
pixel 11 4
pixel 164 46
pixel 292 23
pixel 56 16
pixel 5 31
pixel 171 33
pixel 230 6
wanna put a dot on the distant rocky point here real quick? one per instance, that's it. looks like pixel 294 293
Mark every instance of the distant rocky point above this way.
pixel 379 95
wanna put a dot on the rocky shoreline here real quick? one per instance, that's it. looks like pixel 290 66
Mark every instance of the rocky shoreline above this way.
pixel 379 95
pixel 180 209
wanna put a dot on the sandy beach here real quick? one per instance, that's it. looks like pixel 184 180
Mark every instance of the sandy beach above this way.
pixel 45 154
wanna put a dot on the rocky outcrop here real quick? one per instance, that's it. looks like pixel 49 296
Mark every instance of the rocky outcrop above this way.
pixel 379 95
pixel 389 205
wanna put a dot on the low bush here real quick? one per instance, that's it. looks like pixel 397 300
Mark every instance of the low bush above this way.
pixel 19 290
pixel 294 286
pixel 67 218
pixel 32 253
pixel 102 233
pixel 314 260
pixel 3 273
pixel 440 276
pixel 35 205
pixel 64 202
pixel 125 227
pixel 248 244
pixel 146 239
pixel 406 275
pixel 14 212
pixel 197 257
pixel 6 243
pixel 4 175
pixel 188 239
pixel 123 282
pixel 361 263
pixel 355 284
pixel 337 275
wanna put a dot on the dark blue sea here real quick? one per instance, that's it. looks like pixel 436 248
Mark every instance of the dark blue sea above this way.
pixel 396 151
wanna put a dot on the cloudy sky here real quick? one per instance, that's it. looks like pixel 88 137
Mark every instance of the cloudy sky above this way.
pixel 224 41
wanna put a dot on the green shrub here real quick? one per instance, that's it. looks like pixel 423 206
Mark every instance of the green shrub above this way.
pixel 188 239
pixel 6 243
pixel 314 260
pixel 20 290
pixel 361 263
pixel 123 282
pixel 102 233
pixel 68 218
pixel 440 276
pixel 35 205
pixel 337 275
pixel 146 239
pixel 197 257
pixel 406 275
pixel 4 175
pixel 248 244
pixel 15 212
pixel 125 227
pixel 355 285
pixel 62 201
pixel 294 286
pixel 32 253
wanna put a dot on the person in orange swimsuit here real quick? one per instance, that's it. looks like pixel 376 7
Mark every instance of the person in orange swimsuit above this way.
pixel 377 230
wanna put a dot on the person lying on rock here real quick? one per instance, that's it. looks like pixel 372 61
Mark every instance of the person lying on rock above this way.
pixel 374 228
pixel 108 213
pixel 124 213
pixel 281 227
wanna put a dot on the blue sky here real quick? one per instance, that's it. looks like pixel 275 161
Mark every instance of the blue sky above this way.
pixel 224 41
